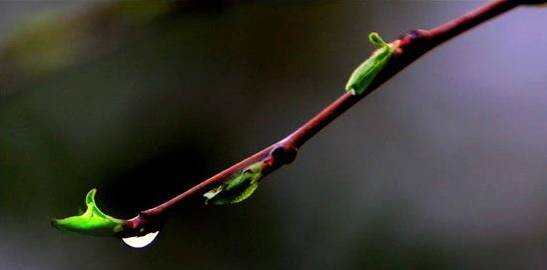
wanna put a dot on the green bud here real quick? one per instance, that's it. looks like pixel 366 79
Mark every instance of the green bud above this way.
pixel 238 188
pixel 365 73
pixel 92 222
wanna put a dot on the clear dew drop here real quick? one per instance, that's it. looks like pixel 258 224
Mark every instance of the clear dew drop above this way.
pixel 140 241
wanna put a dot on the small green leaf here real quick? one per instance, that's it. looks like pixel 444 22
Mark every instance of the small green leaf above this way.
pixel 238 188
pixel 365 73
pixel 91 222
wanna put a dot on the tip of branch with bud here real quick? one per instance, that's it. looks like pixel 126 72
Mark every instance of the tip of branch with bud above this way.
pixel 91 222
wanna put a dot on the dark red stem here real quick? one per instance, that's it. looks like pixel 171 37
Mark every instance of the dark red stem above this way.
pixel 410 47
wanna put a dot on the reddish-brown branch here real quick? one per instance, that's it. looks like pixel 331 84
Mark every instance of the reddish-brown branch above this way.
pixel 410 47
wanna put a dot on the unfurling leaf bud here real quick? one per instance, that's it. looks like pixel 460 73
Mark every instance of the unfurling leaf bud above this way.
pixel 364 74
pixel 92 222
pixel 240 187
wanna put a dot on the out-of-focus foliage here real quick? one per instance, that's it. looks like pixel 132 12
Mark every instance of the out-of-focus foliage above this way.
pixel 53 41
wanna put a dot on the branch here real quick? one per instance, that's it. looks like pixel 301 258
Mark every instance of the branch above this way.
pixel 409 48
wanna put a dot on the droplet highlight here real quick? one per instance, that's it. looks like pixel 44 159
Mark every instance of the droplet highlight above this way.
pixel 140 241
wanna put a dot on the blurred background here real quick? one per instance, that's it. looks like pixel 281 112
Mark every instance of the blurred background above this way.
pixel 444 168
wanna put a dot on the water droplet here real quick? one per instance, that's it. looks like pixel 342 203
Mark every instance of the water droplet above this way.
pixel 140 241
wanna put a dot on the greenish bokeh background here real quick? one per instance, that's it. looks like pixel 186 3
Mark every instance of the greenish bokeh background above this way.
pixel 444 168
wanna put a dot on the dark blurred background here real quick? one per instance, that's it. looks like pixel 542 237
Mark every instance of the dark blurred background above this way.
pixel 443 168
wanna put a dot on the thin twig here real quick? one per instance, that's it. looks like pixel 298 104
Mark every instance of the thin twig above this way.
pixel 410 47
